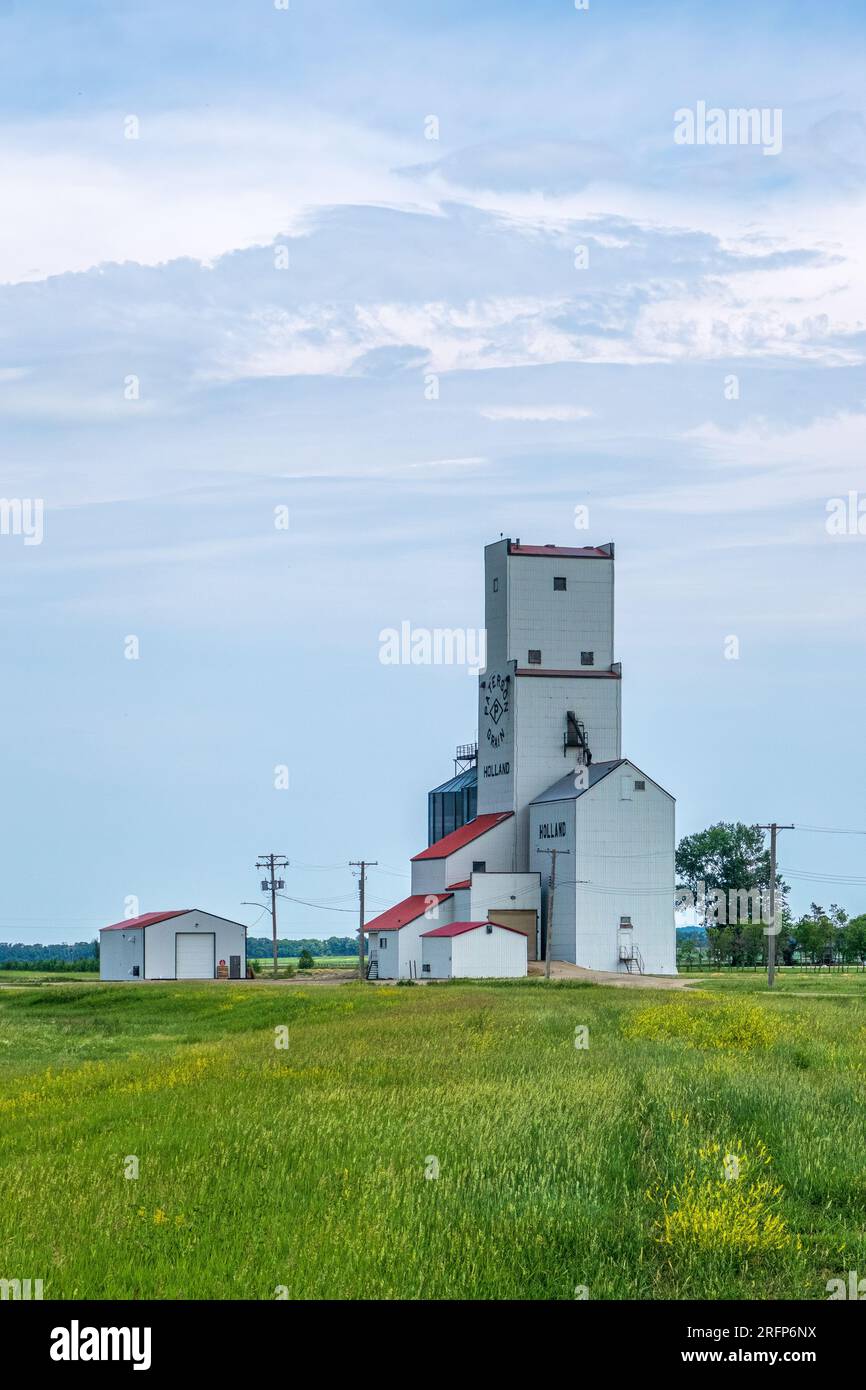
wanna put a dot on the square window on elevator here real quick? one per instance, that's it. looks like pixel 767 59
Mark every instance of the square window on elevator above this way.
pixel 479 866
pixel 587 658
pixel 640 786
pixel 559 581
pixel 534 656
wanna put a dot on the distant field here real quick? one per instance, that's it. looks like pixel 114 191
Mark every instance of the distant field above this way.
pixel 705 1144
pixel 265 964
pixel 36 976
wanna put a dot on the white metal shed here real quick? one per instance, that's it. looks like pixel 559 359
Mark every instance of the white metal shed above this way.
pixel 473 951
pixel 186 944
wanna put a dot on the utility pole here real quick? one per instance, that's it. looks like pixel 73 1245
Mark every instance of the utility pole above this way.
pixel 272 862
pixel 363 865
pixel 548 930
pixel 772 933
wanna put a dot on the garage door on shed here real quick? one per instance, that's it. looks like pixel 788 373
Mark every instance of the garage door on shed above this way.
pixel 195 955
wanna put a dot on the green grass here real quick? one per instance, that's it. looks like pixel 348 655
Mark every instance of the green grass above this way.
pixel 788 980
pixel 43 977
pixel 559 1167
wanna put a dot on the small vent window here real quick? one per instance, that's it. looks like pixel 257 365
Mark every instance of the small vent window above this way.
pixel 640 786
pixel 560 582
pixel 496 586
pixel 534 656
pixel 587 658
pixel 479 866
pixel 426 969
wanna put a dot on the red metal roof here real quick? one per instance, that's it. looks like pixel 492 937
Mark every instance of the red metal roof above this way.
pixel 441 849
pixel 464 883
pixel 407 911
pixel 458 928
pixel 148 919
pixel 583 673
pixel 563 552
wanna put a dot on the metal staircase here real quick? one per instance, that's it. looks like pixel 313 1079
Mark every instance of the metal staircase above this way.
pixel 631 958
pixel 372 971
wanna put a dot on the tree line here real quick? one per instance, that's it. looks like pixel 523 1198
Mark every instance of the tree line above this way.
pixel 84 955
pixel 731 857
pixel 28 953
pixel 261 946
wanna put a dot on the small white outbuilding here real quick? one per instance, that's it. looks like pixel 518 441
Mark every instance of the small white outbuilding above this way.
pixel 185 944
pixel 473 951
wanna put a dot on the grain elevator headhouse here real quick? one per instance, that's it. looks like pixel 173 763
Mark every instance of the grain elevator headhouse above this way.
pixel 550 697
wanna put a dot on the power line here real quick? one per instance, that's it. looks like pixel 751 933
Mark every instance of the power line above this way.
pixel 825 830
pixel 321 906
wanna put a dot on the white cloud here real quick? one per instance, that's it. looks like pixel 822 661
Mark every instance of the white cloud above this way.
pixel 535 412
pixel 195 183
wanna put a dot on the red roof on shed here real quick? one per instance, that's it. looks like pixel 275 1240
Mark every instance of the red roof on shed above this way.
pixel 449 844
pixel 464 883
pixel 458 928
pixel 407 911
pixel 148 919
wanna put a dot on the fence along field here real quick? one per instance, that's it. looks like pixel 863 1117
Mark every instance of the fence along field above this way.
pixel 456 1141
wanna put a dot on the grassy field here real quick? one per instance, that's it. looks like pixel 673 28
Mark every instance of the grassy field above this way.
pixel 704 1144
pixel 43 977
pixel 265 964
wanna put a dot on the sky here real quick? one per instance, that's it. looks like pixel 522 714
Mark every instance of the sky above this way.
pixel 300 308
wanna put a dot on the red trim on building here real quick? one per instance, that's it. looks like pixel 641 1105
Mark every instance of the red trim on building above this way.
pixel 464 835
pixel 147 919
pixel 464 883
pixel 561 552
pixel 458 928
pixel 409 910
pixel 583 673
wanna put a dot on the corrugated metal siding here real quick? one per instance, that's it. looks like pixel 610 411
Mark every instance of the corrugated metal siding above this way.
pixel 120 952
pixel 624 850
pixel 159 949
pixel 436 953
pixel 482 955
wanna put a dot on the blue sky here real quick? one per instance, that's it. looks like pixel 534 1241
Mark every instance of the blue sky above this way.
pixel 265 135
